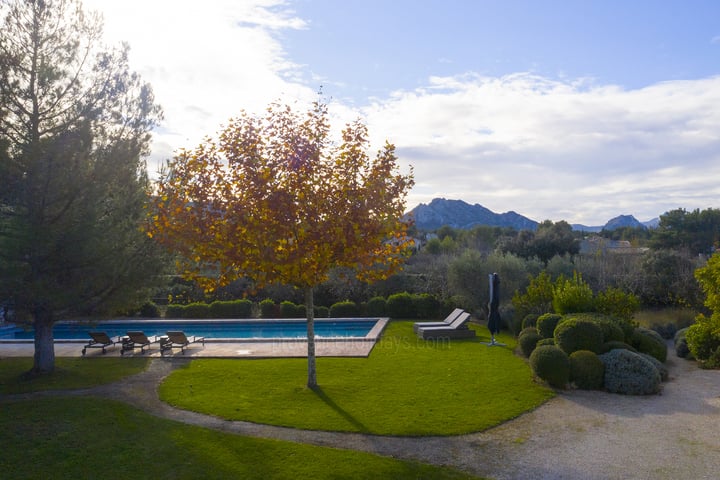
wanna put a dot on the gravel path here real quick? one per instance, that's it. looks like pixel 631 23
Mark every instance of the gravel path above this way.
pixel 577 435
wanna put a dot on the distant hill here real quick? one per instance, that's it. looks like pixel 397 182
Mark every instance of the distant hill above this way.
pixel 460 214
pixel 621 221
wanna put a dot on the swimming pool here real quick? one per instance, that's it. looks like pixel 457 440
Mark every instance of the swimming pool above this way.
pixel 245 330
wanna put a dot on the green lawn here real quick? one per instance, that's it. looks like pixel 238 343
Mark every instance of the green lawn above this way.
pixel 88 438
pixel 70 373
pixel 406 387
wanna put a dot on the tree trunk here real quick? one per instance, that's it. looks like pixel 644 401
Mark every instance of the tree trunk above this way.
pixel 310 307
pixel 44 358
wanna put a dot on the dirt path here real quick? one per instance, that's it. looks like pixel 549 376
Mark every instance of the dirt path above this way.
pixel 578 435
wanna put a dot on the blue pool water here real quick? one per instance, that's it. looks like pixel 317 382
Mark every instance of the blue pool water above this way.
pixel 210 329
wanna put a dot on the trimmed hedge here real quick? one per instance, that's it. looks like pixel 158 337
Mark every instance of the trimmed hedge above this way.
pixel 551 364
pixel 401 305
pixel 573 334
pixel 231 309
pixel 546 324
pixel 681 346
pixel 545 341
pixel 650 342
pixel 528 340
pixel 344 309
pixel 149 310
pixel 587 371
pixel 630 373
pixel 289 310
pixel 530 320
pixel 377 307
pixel 268 309
pixel 607 346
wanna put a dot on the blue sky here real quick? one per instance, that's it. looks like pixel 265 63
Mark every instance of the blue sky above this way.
pixel 560 110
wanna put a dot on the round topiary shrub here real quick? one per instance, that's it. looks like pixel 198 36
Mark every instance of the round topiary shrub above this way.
pixel 650 342
pixel 681 346
pixel 344 309
pixel 268 309
pixel 703 339
pixel 545 341
pixel 288 309
pixel 573 334
pixel 401 305
pixel 661 368
pixel 607 346
pixel 629 373
pixel 527 330
pixel 149 310
pixel 611 330
pixel 175 310
pixel 322 312
pixel 377 307
pixel 546 324
pixel 587 371
pixel 529 320
pixel 551 364
pixel 528 340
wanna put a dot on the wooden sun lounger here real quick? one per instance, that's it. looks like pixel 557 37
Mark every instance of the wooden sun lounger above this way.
pixel 99 340
pixel 446 322
pixel 135 340
pixel 178 340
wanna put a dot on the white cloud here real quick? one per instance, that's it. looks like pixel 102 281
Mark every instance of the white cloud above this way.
pixel 549 149
pixel 206 61
pixel 559 150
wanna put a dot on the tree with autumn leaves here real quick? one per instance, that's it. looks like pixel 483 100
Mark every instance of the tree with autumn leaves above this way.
pixel 274 199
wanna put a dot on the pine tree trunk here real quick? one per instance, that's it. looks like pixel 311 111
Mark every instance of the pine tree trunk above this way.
pixel 44 358
pixel 310 307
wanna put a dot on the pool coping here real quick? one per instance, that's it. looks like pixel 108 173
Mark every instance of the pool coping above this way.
pixel 223 348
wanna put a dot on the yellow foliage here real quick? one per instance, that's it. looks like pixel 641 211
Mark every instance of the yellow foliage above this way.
pixel 272 199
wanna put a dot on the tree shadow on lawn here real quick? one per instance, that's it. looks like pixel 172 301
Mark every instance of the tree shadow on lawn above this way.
pixel 339 410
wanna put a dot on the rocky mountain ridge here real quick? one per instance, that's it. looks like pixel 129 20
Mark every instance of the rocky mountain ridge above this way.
pixel 460 214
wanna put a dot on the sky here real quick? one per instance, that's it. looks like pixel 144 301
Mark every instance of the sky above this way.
pixel 575 110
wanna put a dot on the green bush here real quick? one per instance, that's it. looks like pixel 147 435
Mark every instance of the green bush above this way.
pixel 587 371
pixel 681 346
pixel 530 320
pixel 538 296
pixel 149 310
pixel 666 331
pixel 650 342
pixel 288 309
pixel 175 310
pixel 322 312
pixel 573 334
pixel 661 368
pixel 703 339
pixel 344 309
pixel 528 340
pixel 545 341
pixel 630 373
pixel 268 309
pixel 616 303
pixel 551 364
pixel 231 309
pixel 546 324
pixel 527 330
pixel 573 296
pixel 401 305
pixel 377 307
pixel 607 346
pixel 196 310
pixel 610 329
pixel 300 311
pixel 426 306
